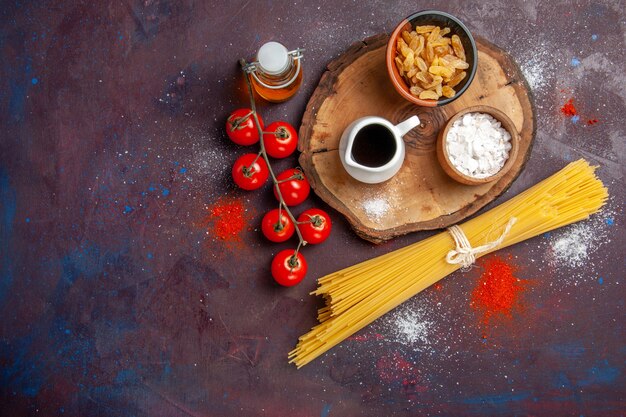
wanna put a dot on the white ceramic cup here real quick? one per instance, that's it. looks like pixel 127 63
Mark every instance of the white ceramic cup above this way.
pixel 369 174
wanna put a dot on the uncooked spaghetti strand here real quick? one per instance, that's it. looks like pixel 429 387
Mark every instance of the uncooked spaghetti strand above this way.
pixel 352 321
pixel 417 271
pixel 346 277
pixel 348 273
pixel 369 286
pixel 378 276
pixel 360 294
pixel 320 348
pixel 341 302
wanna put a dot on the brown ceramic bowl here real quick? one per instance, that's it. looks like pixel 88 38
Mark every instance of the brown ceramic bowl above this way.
pixel 442 153
pixel 443 20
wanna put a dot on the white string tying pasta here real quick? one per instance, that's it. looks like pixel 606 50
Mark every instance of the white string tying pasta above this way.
pixel 464 254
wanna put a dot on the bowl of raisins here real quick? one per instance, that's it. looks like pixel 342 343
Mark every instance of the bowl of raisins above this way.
pixel 431 58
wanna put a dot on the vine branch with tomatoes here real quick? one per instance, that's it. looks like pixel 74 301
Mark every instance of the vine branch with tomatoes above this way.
pixel 263 154
pixel 250 171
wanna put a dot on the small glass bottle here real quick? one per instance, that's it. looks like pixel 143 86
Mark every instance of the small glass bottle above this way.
pixel 277 73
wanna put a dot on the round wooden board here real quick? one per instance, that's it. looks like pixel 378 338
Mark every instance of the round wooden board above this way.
pixel 421 196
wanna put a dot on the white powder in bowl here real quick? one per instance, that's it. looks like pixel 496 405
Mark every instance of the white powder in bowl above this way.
pixel 477 145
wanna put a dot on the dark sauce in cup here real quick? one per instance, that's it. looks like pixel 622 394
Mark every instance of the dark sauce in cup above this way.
pixel 373 146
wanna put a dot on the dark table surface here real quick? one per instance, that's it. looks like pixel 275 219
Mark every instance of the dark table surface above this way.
pixel 118 298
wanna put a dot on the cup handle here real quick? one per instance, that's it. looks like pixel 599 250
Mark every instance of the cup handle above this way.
pixel 404 127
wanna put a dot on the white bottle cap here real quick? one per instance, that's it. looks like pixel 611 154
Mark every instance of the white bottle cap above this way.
pixel 273 58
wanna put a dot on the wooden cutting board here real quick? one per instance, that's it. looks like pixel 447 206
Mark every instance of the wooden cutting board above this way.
pixel 421 196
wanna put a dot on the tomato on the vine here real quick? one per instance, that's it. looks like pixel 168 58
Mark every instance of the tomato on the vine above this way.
pixel 281 139
pixel 277 230
pixel 293 185
pixel 241 127
pixel 288 267
pixel 315 225
pixel 250 171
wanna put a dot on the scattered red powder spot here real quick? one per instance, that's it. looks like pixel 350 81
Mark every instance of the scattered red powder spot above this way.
pixel 227 218
pixel 437 286
pixel 498 290
pixel 568 108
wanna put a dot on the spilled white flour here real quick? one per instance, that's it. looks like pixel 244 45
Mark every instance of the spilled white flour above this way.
pixel 412 327
pixel 536 69
pixel 376 208
pixel 575 247
pixel 572 247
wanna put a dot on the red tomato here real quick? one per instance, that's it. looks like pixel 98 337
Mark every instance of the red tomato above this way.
pixel 249 174
pixel 293 185
pixel 241 127
pixel 281 141
pixel 288 268
pixel 274 230
pixel 315 225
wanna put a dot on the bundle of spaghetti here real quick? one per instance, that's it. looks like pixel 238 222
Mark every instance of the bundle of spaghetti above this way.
pixel 358 295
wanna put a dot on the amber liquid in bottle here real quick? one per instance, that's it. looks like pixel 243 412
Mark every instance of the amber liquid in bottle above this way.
pixel 280 94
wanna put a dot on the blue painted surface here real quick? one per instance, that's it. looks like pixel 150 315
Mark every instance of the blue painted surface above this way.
pixel 8 209
pixel 602 373
pixel 21 372
pixel 18 99
pixel 18 87
pixel 126 376
pixel 498 399
pixel 572 350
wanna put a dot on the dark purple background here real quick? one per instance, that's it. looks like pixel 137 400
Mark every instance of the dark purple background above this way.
pixel 116 300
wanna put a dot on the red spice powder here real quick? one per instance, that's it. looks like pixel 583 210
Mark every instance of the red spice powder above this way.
pixel 498 290
pixel 228 219
pixel 568 108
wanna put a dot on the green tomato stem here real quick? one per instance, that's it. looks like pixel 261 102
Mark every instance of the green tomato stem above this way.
pixel 236 124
